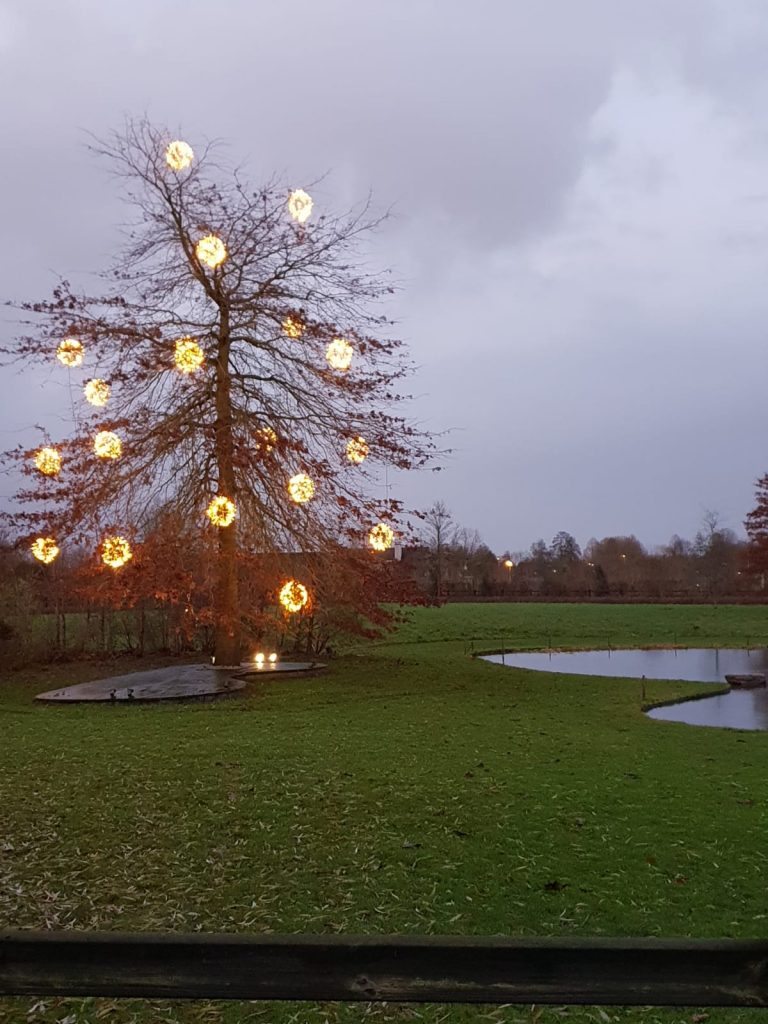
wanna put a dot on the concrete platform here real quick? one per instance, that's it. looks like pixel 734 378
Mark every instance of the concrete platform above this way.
pixel 177 682
pixel 250 668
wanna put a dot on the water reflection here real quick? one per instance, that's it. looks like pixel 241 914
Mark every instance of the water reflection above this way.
pixel 738 709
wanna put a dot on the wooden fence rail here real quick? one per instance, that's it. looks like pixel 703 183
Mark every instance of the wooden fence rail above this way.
pixel 648 972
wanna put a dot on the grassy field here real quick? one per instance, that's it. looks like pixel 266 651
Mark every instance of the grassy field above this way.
pixel 411 789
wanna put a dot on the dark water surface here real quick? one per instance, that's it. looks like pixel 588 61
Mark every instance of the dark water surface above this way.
pixel 738 709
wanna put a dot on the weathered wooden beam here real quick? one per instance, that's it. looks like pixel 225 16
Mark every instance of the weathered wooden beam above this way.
pixel 652 972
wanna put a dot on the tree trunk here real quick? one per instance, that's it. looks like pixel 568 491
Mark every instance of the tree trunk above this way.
pixel 227 609
pixel 142 629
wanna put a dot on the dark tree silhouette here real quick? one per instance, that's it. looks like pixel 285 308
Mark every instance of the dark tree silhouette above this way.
pixel 756 525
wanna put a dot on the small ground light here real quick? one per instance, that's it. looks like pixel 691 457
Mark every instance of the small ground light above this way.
pixel 259 659
pixel 272 658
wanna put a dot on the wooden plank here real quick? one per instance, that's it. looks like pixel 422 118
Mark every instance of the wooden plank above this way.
pixel 653 972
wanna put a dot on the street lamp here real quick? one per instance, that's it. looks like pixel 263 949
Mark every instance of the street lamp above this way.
pixel 509 565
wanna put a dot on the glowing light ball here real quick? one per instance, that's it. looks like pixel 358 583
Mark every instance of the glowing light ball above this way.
pixel 211 251
pixel 267 439
pixel 300 205
pixel 339 354
pixel 301 488
pixel 357 450
pixel 508 563
pixel 273 658
pixel 48 461
pixel 107 445
pixel 70 352
pixel 45 549
pixel 381 537
pixel 115 552
pixel 179 155
pixel 188 355
pixel 259 659
pixel 221 511
pixel 293 327
pixel 96 391
pixel 293 596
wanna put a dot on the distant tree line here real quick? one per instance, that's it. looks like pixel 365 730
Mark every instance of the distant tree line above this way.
pixel 451 561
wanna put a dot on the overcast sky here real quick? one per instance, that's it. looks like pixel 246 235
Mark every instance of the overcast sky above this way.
pixel 581 194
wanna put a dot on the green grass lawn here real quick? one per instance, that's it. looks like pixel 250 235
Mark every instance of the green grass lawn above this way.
pixel 410 789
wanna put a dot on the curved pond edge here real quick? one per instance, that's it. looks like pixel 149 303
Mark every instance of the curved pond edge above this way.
pixel 712 689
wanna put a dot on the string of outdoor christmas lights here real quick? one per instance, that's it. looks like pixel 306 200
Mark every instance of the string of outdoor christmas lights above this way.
pixel 189 357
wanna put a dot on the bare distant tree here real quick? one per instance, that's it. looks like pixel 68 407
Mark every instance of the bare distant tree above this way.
pixel 717 551
pixel 440 535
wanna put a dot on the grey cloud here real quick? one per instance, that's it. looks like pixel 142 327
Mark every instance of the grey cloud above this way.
pixel 576 221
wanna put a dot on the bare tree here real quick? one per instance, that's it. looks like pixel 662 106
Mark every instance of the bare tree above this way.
pixel 716 548
pixel 238 349
pixel 440 535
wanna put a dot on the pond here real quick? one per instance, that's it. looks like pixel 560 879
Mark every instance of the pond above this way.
pixel 738 709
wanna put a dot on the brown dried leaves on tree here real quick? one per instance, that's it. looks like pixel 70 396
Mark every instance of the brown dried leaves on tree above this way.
pixel 187 437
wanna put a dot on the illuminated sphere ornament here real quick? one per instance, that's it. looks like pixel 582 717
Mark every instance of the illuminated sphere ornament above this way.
pixel 188 355
pixel 266 440
pixel 294 596
pixel 381 537
pixel 339 354
pixel 115 552
pixel 70 352
pixel 45 549
pixel 301 488
pixel 107 445
pixel 273 658
pixel 259 659
pixel 293 327
pixel 300 205
pixel 221 511
pixel 96 391
pixel 48 461
pixel 357 450
pixel 211 251
pixel 179 155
